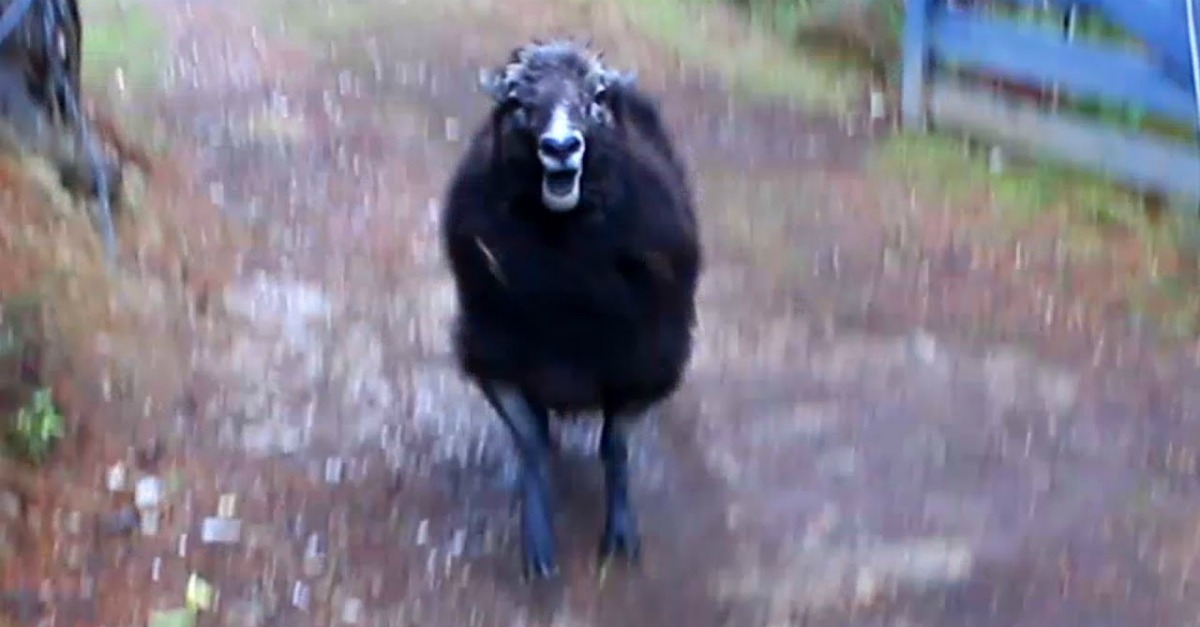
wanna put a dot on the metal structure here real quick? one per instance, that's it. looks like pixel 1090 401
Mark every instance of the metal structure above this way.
pixel 1163 80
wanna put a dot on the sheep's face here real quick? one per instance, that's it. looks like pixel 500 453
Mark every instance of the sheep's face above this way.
pixel 554 96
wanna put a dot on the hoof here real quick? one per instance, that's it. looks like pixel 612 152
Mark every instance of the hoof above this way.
pixel 539 569
pixel 625 544
pixel 538 552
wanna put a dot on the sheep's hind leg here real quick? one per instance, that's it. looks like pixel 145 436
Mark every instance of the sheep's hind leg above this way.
pixel 527 425
pixel 621 535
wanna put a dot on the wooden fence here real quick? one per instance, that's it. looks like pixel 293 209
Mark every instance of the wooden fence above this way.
pixel 942 40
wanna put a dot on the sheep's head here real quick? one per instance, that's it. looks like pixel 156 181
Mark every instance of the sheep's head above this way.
pixel 554 96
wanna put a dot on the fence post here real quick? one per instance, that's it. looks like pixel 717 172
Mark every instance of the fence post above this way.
pixel 1192 17
pixel 916 61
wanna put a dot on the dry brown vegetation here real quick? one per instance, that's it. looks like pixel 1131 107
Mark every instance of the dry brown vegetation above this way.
pixel 108 339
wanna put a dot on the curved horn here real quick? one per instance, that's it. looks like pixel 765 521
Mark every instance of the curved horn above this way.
pixel 493 83
pixel 617 78
pixel 514 55
pixel 499 83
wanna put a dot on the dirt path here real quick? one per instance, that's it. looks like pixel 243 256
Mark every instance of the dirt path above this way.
pixel 828 463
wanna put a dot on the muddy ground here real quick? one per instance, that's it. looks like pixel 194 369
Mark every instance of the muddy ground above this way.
pixel 884 424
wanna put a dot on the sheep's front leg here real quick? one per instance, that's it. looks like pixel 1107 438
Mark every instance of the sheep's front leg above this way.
pixel 620 521
pixel 528 425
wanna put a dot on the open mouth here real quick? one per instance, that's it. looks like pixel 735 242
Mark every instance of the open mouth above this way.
pixel 560 189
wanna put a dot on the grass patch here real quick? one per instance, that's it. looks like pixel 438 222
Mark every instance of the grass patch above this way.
pixel 1088 206
pixel 1094 221
pixel 37 427
pixel 121 38
pixel 863 35
pixel 316 21
pixel 31 421
pixel 945 166
pixel 707 32
pixel 124 52
pixel 751 60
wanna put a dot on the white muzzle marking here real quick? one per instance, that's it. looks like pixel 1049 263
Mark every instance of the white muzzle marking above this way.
pixel 560 149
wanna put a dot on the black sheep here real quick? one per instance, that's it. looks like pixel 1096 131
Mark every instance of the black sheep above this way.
pixel 571 236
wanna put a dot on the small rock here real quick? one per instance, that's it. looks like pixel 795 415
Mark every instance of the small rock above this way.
pixel 10 505
pixel 226 505
pixel 216 530
pixel 351 611
pixel 300 595
pixel 334 467
pixel 458 543
pixel 423 533
pixel 148 493
pixel 116 478
pixel 866 587
pixel 314 556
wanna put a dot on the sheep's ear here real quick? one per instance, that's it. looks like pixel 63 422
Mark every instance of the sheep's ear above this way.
pixel 494 83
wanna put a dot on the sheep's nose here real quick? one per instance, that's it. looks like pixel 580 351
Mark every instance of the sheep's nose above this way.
pixel 560 147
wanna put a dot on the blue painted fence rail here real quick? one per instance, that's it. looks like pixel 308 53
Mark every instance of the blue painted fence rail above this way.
pixel 1158 81
pixel 1161 24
